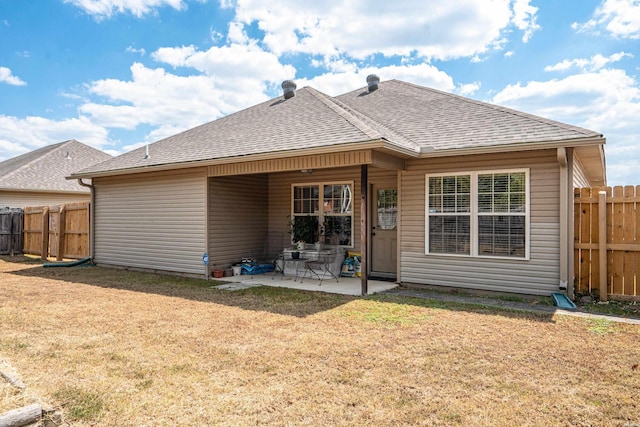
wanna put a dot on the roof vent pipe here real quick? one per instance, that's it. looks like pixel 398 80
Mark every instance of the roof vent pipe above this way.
pixel 372 82
pixel 289 88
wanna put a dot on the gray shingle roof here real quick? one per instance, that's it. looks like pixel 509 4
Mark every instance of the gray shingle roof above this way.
pixel 405 115
pixel 45 169
pixel 444 121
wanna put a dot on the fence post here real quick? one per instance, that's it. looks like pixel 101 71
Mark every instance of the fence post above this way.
pixel 45 234
pixel 602 245
pixel 61 232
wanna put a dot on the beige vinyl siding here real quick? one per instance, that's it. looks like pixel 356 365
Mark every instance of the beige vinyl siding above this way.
pixel 152 221
pixel 18 199
pixel 238 212
pixel 538 275
pixel 580 179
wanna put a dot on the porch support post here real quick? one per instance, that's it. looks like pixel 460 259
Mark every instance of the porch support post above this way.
pixel 364 227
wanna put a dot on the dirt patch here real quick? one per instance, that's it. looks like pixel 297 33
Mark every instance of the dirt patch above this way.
pixel 111 347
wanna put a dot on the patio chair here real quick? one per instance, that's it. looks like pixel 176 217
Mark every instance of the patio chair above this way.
pixel 321 267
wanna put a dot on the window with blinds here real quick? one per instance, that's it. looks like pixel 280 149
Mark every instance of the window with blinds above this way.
pixel 478 214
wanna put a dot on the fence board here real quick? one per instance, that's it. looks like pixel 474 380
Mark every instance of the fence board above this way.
pixel 33 230
pixel 57 231
pixel 636 288
pixel 54 228
pixel 586 237
pixel 618 237
pixel 622 231
pixel 595 239
pixel 609 233
pixel 577 262
pixel 11 231
pixel 628 258
pixel 76 233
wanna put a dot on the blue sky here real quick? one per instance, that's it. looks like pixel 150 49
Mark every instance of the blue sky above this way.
pixel 117 74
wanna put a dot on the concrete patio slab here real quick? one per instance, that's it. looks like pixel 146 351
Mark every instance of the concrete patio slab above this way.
pixel 344 285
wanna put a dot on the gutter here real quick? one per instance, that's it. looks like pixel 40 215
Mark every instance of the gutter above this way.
pixel 92 222
pixel 374 144
pixel 403 152
pixel 525 146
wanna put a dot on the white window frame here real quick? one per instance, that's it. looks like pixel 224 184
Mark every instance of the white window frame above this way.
pixel 474 214
pixel 320 213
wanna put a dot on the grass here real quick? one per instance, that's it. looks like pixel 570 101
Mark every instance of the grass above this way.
pixel 111 347
pixel 615 308
pixel 79 404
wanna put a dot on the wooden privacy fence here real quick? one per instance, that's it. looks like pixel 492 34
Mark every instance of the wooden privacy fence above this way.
pixel 607 241
pixel 57 231
pixel 10 231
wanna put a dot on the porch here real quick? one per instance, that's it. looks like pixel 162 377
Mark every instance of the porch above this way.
pixel 337 194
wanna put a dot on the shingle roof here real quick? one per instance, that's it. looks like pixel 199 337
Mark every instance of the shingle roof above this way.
pixel 404 115
pixel 444 121
pixel 45 169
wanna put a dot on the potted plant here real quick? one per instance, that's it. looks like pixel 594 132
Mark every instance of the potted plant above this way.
pixel 303 229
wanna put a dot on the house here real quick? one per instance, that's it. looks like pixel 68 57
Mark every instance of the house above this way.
pixel 433 188
pixel 38 178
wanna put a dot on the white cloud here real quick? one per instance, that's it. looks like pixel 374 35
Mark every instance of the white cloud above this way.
pixel 606 101
pixel 226 79
pixel 174 56
pixel 621 18
pixel 132 49
pixel 20 135
pixel 101 9
pixel 153 97
pixel 468 89
pixel 241 68
pixel 438 29
pixel 7 77
pixel 215 36
pixel 594 63
pixel 524 18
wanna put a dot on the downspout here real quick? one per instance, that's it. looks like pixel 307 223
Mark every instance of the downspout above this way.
pixel 570 231
pixel 92 210
pixel 564 222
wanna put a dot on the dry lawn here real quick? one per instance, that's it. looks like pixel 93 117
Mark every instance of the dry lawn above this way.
pixel 115 348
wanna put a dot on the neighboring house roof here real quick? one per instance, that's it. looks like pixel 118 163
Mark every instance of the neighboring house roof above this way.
pixel 45 169
pixel 399 116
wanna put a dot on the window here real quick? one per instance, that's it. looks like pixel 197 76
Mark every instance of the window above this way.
pixel 449 214
pixel 387 209
pixel 478 214
pixel 333 224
